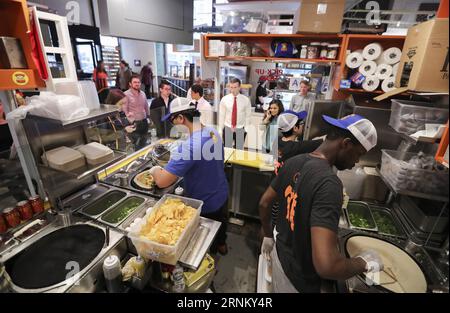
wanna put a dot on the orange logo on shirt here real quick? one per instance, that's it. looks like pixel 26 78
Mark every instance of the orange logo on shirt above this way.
pixel 291 202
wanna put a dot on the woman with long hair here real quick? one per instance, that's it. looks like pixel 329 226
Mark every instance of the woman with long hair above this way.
pixel 100 76
pixel 270 120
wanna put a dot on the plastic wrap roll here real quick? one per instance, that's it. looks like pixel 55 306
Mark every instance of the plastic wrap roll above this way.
pixel 392 56
pixel 388 84
pixel 354 59
pixel 372 51
pixel 371 83
pixel 368 68
pixel 383 71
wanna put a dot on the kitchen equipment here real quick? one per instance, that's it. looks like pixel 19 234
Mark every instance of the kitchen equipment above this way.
pixel 424 214
pixel 85 196
pixel 359 216
pixel 120 212
pixel 401 272
pixel 11 54
pixel 96 208
pixel 387 224
pixel 76 244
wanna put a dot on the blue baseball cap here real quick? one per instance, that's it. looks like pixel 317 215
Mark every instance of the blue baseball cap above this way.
pixel 288 119
pixel 360 127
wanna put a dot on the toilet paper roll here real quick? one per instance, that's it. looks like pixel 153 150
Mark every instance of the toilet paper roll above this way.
pixel 388 84
pixel 368 68
pixel 392 56
pixel 371 83
pixel 383 71
pixel 372 51
pixel 354 59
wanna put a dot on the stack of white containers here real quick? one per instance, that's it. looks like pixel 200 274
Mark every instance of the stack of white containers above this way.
pixel 378 66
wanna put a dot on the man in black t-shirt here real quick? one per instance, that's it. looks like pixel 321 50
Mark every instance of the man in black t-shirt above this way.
pixel 310 196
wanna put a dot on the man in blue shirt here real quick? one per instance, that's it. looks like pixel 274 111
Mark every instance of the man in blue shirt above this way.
pixel 199 160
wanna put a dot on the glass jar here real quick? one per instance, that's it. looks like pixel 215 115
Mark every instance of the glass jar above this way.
pixel 37 204
pixel 313 50
pixel 332 51
pixel 304 52
pixel 25 210
pixel 323 50
pixel 12 217
pixel 3 225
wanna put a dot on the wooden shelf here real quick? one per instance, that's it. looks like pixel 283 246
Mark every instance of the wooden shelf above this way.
pixel 356 90
pixel 264 41
pixel 237 58
pixel 15 22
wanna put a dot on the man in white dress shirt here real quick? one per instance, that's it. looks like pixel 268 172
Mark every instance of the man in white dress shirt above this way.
pixel 234 116
pixel 203 106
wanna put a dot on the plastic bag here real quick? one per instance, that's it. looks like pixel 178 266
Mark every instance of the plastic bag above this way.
pixel 59 107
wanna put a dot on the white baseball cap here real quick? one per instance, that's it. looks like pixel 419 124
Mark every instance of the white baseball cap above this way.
pixel 360 127
pixel 288 119
pixel 179 104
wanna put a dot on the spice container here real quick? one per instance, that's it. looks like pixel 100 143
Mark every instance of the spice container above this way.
pixel 3 225
pixel 313 50
pixel 304 52
pixel 332 51
pixel 25 210
pixel 323 50
pixel 37 204
pixel 12 217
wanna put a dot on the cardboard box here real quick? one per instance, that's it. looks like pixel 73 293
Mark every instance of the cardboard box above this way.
pixel 423 66
pixel 319 16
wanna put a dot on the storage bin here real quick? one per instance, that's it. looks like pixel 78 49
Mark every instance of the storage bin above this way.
pixel 160 252
pixel 408 117
pixel 404 176
pixel 84 89
pixel 63 159
pixel 96 153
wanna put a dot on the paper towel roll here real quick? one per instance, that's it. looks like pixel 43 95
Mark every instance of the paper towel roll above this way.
pixel 368 68
pixel 388 84
pixel 383 71
pixel 371 83
pixel 372 51
pixel 395 69
pixel 392 55
pixel 354 59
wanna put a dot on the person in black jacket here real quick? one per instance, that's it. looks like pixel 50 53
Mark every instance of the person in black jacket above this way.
pixel 291 125
pixel 160 107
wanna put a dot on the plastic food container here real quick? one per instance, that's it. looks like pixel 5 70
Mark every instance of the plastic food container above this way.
pixel 64 159
pixel 119 213
pixel 96 153
pixel 332 51
pixel 102 204
pixel 408 117
pixel 359 216
pixel 403 176
pixel 313 50
pixel 160 252
pixel 84 89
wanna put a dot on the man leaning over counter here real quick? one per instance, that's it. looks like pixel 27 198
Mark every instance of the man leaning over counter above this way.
pixel 199 160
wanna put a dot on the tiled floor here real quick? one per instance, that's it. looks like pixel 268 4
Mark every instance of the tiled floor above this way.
pixel 237 271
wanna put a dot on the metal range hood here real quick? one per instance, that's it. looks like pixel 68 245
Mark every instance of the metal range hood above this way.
pixel 168 21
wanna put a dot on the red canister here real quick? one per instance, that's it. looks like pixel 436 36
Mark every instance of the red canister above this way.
pixel 3 225
pixel 37 204
pixel 12 217
pixel 25 210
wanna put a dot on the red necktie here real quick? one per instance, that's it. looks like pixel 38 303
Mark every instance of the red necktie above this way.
pixel 234 114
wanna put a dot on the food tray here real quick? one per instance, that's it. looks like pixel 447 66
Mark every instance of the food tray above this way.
pixel 359 216
pixel 160 252
pixel 102 204
pixel 386 223
pixel 114 217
